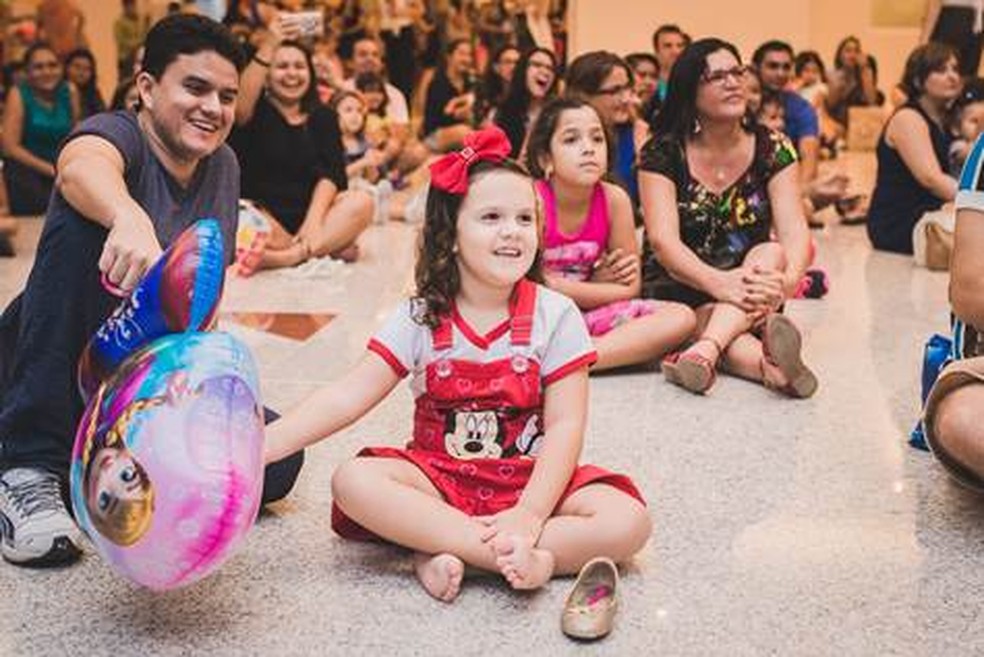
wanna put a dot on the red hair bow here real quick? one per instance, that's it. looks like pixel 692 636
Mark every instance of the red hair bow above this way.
pixel 450 172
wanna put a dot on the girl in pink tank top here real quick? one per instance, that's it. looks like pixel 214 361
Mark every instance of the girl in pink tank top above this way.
pixel 590 250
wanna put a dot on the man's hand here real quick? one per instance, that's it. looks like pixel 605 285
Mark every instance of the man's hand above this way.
pixel 130 249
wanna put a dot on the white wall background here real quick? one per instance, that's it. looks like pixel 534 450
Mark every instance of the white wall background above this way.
pixel 623 26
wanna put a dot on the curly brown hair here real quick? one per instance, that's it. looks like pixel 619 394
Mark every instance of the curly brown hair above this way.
pixel 436 274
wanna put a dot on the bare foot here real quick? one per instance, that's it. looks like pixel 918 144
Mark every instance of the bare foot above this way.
pixel 523 565
pixel 440 574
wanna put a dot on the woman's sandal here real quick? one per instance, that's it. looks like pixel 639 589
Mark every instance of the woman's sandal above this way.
pixel 692 371
pixel 782 347
pixel 851 210
pixel 589 611
pixel 248 259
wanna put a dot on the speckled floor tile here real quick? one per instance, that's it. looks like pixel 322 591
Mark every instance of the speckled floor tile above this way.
pixel 781 527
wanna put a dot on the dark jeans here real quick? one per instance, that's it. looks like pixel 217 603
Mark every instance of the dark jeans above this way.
pixel 28 191
pixel 42 333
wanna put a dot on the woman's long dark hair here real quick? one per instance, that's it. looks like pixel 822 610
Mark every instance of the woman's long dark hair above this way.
pixel 839 53
pixel 92 100
pixel 679 115
pixel 436 272
pixel 492 87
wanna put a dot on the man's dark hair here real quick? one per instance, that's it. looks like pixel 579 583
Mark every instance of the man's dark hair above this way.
pixel 669 28
pixel 188 34
pixel 771 46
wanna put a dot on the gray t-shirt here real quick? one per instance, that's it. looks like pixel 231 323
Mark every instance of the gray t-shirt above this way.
pixel 212 193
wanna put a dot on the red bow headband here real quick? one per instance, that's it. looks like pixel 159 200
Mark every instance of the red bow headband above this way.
pixel 450 172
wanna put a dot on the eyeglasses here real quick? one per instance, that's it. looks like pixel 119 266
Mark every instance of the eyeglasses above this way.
pixel 720 76
pixel 778 66
pixel 614 91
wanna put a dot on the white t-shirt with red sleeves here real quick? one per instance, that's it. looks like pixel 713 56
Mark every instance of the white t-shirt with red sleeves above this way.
pixel 559 341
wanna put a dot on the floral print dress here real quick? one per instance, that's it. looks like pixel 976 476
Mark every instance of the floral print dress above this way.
pixel 719 227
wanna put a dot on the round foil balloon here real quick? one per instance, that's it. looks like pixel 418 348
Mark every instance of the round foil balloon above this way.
pixel 179 293
pixel 167 468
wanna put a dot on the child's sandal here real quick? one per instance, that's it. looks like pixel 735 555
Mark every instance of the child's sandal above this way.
pixel 782 345
pixel 692 371
pixel 589 611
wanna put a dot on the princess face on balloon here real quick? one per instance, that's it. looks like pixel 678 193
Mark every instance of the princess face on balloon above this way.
pixel 119 495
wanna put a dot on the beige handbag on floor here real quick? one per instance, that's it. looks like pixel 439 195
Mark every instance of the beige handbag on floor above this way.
pixel 932 240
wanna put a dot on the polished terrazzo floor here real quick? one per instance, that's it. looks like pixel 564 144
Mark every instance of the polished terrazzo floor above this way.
pixel 781 527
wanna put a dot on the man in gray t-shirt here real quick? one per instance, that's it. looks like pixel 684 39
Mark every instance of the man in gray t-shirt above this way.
pixel 128 184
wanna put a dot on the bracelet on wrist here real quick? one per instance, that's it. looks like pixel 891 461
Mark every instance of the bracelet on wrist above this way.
pixel 262 62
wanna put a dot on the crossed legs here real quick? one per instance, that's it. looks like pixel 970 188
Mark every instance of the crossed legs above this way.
pixel 597 520
pixel 724 330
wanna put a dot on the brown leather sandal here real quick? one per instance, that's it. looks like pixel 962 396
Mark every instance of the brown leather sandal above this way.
pixel 589 611
pixel 782 347
pixel 692 371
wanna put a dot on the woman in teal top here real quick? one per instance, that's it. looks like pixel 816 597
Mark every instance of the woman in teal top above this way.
pixel 38 115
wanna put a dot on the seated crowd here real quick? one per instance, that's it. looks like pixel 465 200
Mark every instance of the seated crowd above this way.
pixel 677 189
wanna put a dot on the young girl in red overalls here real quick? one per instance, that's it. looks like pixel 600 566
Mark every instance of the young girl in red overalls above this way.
pixel 590 250
pixel 498 368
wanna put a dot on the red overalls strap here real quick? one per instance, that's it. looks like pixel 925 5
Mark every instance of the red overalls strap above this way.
pixel 521 308
pixel 521 313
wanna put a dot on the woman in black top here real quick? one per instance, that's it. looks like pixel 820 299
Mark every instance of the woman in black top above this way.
pixel 450 100
pixel 534 83
pixel 714 188
pixel 913 149
pixel 290 151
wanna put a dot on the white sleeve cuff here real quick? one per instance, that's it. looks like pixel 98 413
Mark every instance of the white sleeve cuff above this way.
pixel 970 199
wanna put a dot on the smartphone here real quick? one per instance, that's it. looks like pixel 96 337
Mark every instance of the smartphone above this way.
pixel 309 23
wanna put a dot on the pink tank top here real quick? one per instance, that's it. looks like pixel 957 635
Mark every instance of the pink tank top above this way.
pixel 573 255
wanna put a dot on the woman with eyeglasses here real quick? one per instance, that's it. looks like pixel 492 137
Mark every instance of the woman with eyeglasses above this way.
pixel 605 80
pixel 39 113
pixel 913 150
pixel 715 188
pixel 534 82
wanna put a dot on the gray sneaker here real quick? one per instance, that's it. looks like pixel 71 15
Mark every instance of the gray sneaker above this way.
pixel 35 528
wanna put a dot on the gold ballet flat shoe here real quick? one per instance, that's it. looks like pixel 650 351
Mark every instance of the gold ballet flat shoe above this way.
pixel 589 611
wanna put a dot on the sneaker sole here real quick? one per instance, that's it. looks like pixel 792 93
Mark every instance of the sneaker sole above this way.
pixel 62 553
